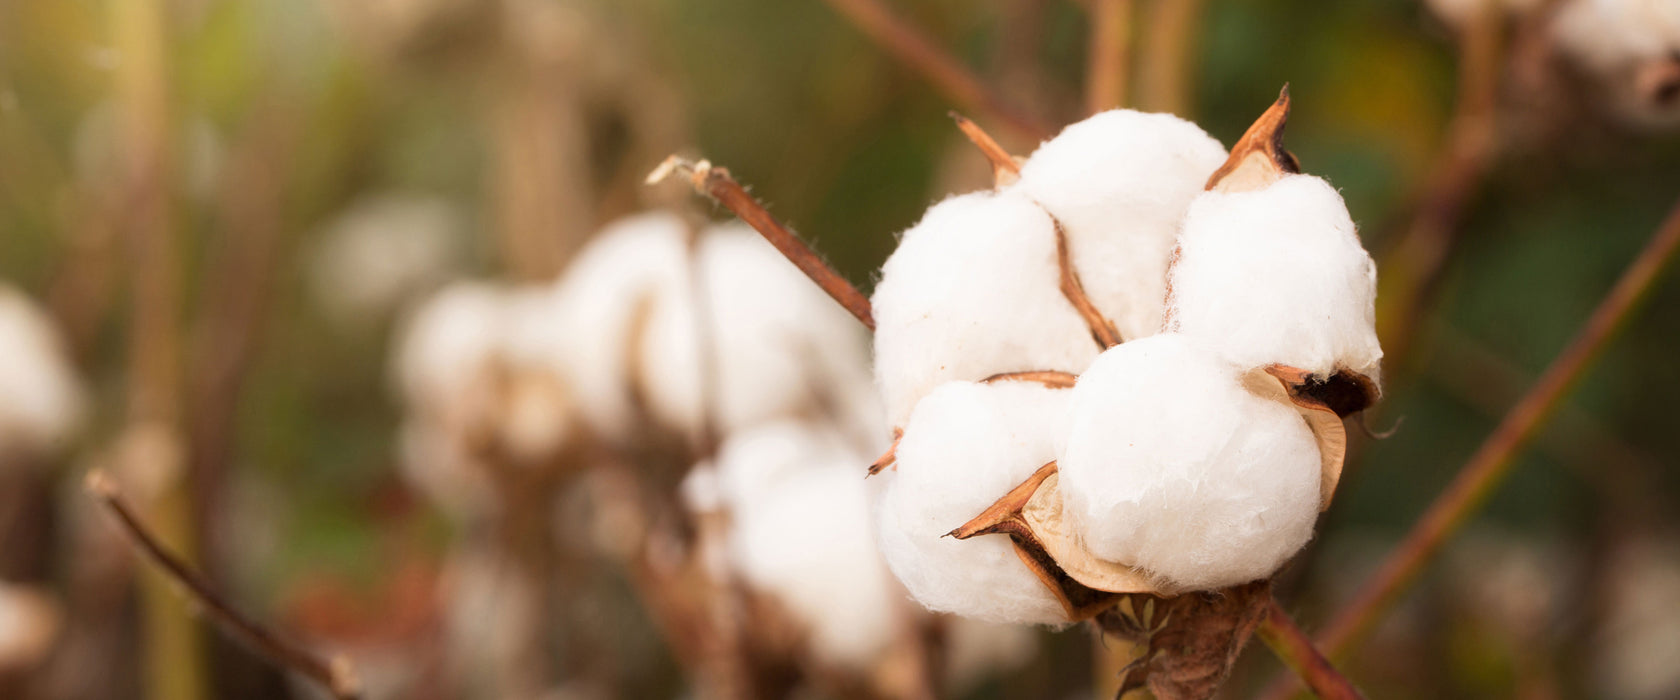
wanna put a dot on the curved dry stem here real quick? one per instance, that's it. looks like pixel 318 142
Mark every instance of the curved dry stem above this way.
pixel 1048 377
pixel 715 182
pixel 335 674
pixel 1102 329
pixel 1005 169
pixel 1488 467
pixel 1295 650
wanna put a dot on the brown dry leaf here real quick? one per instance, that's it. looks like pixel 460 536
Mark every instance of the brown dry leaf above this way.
pixel 1259 158
pixel 1081 602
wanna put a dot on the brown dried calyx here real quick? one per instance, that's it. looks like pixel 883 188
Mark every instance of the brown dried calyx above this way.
pixel 1259 158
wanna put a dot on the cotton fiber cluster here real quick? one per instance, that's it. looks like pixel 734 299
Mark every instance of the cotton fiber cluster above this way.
pixel 1277 276
pixel 776 345
pixel 974 289
pixel 1171 465
pixel 381 251
pixel 965 446
pixel 1119 182
pixel 42 401
pixel 970 292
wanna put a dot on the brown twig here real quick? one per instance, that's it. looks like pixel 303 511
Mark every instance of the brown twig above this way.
pixel 1492 461
pixel 1295 649
pixel 1005 169
pixel 948 75
pixel 336 674
pixel 1102 329
pixel 715 182
pixel 1108 58
pixel 1048 377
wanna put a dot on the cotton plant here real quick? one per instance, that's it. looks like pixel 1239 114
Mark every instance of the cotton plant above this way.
pixel 1155 470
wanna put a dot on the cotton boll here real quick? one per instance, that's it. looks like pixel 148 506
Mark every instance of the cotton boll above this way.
pixel 1119 183
pixel 43 400
pixel 808 544
pixel 1171 466
pixel 445 351
pixel 608 290
pixel 752 462
pixel 777 343
pixel 965 446
pixel 1278 276
pixel 972 291
pixel 380 251
pixel 1631 49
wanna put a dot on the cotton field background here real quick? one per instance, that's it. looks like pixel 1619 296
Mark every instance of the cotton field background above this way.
pixel 897 349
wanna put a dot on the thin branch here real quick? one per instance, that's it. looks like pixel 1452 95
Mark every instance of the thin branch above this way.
pixel 1108 58
pixel 1005 169
pixel 336 675
pixel 915 49
pixel 1488 467
pixel 716 183
pixel 1295 649
pixel 1048 377
pixel 1102 330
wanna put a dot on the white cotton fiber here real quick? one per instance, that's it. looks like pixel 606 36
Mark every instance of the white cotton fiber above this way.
pixel 1172 466
pixel 42 399
pixel 1608 35
pixel 807 542
pixel 1119 182
pixel 443 352
pixel 752 462
pixel 1278 276
pixel 778 345
pixel 379 252
pixel 965 447
pixel 972 291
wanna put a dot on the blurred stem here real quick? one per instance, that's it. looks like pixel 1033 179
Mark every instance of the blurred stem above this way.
pixel 1295 649
pixel 1166 80
pixel 1488 467
pixel 917 51
pixel 1413 265
pixel 174 663
pixel 1108 57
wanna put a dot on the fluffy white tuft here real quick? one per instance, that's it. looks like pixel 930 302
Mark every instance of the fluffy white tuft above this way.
pixel 972 291
pixel 1172 466
pixel 1119 182
pixel 965 446
pixel 1278 275
pixel 42 402
pixel 379 252
pixel 779 346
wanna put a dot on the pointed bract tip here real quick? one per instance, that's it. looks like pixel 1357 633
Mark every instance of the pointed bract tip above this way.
pixel 1258 159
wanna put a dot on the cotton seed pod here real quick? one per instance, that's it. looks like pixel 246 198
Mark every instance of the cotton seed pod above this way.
pixel 43 397
pixel 1277 275
pixel 1173 467
pixel 965 444
pixel 972 291
pixel 779 346
pixel 1119 183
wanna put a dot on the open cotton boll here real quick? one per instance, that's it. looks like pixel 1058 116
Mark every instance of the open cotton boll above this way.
pixel 752 462
pixel 443 351
pixel 967 445
pixel 779 346
pixel 1171 466
pixel 808 544
pixel 1278 276
pixel 1631 49
pixel 1119 183
pixel 607 290
pixel 972 291
pixel 42 401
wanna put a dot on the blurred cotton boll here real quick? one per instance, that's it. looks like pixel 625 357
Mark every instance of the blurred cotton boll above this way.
pixel 30 621
pixel 381 251
pixel 1631 49
pixel 1634 656
pixel 43 397
pixel 775 346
